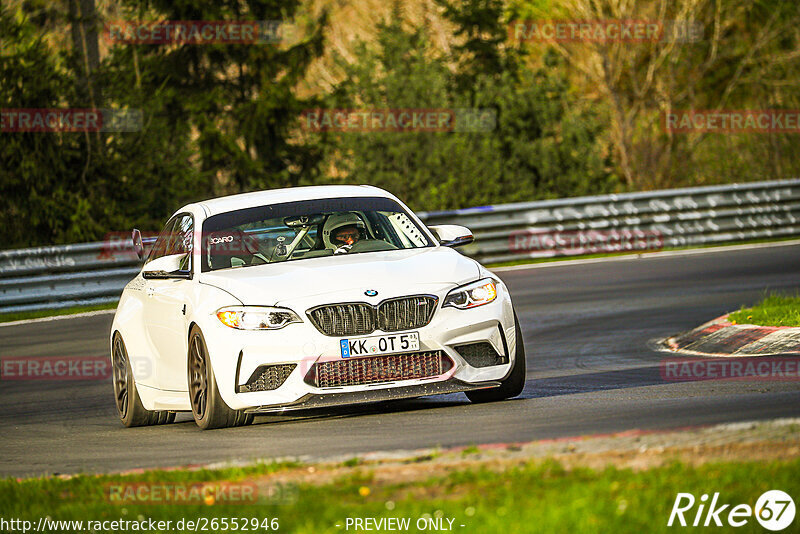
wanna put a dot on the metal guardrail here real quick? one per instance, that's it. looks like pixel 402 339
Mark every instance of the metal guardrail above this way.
pixel 663 219
pixel 92 273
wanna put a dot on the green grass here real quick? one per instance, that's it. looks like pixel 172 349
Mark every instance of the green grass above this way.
pixel 20 316
pixel 534 497
pixel 472 449
pixel 352 462
pixel 775 309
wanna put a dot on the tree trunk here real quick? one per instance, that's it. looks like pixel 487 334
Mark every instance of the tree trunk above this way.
pixel 83 18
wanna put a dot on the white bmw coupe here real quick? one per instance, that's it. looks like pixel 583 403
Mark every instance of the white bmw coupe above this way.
pixel 307 297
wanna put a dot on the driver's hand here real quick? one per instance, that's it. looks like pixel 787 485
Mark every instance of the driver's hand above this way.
pixel 344 249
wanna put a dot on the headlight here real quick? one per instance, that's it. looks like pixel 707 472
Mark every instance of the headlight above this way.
pixel 257 317
pixel 472 295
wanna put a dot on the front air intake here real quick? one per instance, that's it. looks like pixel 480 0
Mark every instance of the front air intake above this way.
pixel 405 313
pixel 351 319
pixel 480 354
pixel 267 378
pixel 378 369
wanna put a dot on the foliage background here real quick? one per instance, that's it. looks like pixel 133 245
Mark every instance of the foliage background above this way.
pixel 572 118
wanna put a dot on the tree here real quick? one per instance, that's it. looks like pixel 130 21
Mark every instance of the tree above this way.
pixel 540 146
pixel 481 48
pixel 237 100
pixel 745 57
pixel 46 194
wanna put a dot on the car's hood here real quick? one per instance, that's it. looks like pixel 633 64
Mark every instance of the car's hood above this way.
pixel 346 278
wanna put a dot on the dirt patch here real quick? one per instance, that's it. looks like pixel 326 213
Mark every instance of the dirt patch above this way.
pixel 638 450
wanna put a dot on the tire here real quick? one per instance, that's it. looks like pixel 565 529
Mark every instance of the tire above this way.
pixel 208 408
pixel 513 384
pixel 129 406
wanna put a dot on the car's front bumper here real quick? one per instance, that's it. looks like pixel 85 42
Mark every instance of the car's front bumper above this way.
pixel 236 354
pixel 397 392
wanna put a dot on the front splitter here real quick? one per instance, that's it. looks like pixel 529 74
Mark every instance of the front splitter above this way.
pixel 341 398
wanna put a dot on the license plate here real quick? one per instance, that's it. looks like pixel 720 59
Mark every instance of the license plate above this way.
pixel 374 345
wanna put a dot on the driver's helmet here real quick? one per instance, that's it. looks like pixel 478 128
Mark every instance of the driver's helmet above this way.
pixel 339 220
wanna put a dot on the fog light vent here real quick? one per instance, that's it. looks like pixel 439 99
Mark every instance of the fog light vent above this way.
pixel 267 378
pixel 480 354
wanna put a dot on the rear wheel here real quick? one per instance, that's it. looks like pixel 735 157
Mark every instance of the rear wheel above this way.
pixel 513 384
pixel 208 408
pixel 130 409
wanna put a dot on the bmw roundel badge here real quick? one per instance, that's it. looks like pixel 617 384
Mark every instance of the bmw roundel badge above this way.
pixel 370 292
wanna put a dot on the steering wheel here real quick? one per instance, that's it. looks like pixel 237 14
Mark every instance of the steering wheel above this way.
pixel 372 245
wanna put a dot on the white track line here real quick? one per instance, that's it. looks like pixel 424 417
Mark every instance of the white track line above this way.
pixel 645 255
pixel 58 317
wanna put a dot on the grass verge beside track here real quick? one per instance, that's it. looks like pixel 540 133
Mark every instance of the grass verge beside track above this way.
pixel 775 309
pixel 528 496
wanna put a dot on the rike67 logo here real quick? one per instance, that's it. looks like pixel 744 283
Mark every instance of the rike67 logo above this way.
pixel 774 510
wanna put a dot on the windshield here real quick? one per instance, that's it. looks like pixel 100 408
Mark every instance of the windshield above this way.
pixel 307 229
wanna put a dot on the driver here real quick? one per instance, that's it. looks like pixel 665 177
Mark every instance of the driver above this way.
pixel 342 231
pixel 348 235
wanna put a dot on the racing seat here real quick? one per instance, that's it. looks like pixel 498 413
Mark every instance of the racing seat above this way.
pixel 229 248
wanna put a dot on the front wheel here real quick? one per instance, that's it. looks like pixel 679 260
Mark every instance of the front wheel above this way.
pixel 513 384
pixel 208 408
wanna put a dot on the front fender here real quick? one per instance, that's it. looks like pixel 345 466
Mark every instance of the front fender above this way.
pixel 129 322
pixel 203 306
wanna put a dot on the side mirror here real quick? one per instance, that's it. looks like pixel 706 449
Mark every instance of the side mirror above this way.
pixel 452 235
pixel 166 267
pixel 138 245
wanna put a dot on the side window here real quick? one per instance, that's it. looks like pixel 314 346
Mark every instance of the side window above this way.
pixel 161 244
pixel 182 240
pixel 175 238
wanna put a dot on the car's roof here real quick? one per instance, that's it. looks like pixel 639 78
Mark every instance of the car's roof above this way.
pixel 291 194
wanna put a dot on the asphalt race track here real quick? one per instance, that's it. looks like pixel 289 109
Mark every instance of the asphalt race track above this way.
pixel 587 330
